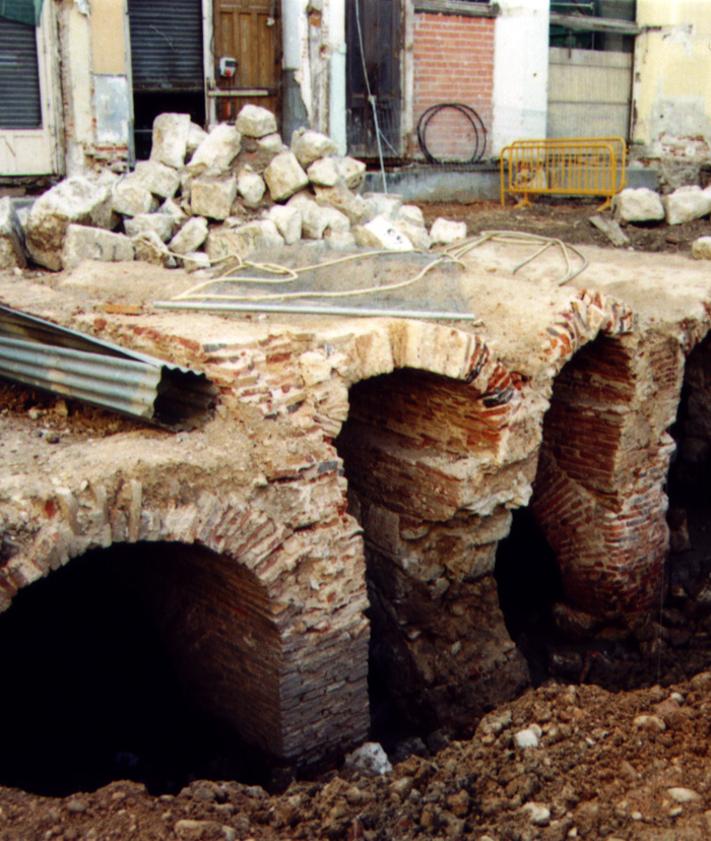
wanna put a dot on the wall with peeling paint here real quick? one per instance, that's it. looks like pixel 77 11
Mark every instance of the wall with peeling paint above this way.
pixel 672 95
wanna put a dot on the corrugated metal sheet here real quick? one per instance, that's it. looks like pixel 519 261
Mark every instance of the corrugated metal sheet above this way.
pixel 19 76
pixel 41 354
pixel 166 44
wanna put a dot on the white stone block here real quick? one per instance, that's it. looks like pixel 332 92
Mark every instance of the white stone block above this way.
pixel 272 143
pixel 227 242
pixel 686 204
pixel 130 197
pixel 84 243
pixel 75 200
pixel 251 186
pixel 288 221
pixel 416 233
pixel 170 139
pixel 352 171
pixel 284 176
pixel 309 145
pixel 410 213
pixel 253 121
pixel 217 151
pixel 195 261
pixel 157 178
pixel 324 172
pixel 150 248
pixel 380 233
pixel 384 204
pixel 190 237
pixel 12 248
pixel 196 134
pixel 356 208
pixel 638 205
pixel 213 196
pixel 369 759
pixel 160 223
pixel 701 248
pixel 446 231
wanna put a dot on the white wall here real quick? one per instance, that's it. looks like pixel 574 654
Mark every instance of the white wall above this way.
pixel 520 72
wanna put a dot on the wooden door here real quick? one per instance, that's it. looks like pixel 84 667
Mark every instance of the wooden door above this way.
pixel 373 35
pixel 249 31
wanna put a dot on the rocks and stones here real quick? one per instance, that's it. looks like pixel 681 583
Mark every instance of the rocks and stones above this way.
pixel 384 204
pixel 157 178
pixel 410 213
pixel 315 220
pixel 530 737
pixel 611 229
pixel 12 248
pixel 251 186
pixel 369 759
pixel 170 139
pixel 355 207
pixel 195 261
pixel 638 205
pixel 190 237
pixel 253 121
pixel 196 134
pixel 309 146
pixel 192 830
pixel 701 248
pixel 212 196
pixel 160 223
pixel 651 723
pixel 445 231
pixel 76 200
pixel 324 172
pixel 352 171
pixel 683 795
pixel 84 243
pixel 217 151
pixel 174 210
pixel 131 198
pixel 381 233
pixel 288 221
pixel 417 234
pixel 150 248
pixel 284 176
pixel 538 813
pixel 272 144
pixel 687 203
pixel 224 242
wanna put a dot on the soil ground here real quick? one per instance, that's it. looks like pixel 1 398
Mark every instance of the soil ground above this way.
pixel 609 765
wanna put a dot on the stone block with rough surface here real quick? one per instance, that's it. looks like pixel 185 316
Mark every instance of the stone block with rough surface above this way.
pixel 351 170
pixel 309 145
pixel 356 208
pixel 84 243
pixel 288 221
pixel 239 242
pixel 217 151
pixel 316 220
pixel 638 205
pixel 213 196
pixel 687 204
pixel 194 261
pixel 190 237
pixel 254 121
pixel 170 139
pixel 384 204
pixel 12 248
pixel 150 248
pixel 130 197
pixel 701 248
pixel 175 211
pixel 381 233
pixel 75 200
pixel 251 186
pixel 416 233
pixel 157 178
pixel 196 135
pixel 445 231
pixel 324 172
pixel 160 223
pixel 272 143
pixel 284 176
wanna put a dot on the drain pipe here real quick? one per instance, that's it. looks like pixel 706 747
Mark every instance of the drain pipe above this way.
pixel 294 113
pixel 337 81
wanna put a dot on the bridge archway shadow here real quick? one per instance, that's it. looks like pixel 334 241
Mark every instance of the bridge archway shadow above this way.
pixel 94 687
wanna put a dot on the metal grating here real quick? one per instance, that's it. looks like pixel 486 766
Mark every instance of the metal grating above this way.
pixel 20 106
pixel 166 45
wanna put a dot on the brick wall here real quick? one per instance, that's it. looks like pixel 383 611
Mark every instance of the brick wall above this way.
pixel 453 62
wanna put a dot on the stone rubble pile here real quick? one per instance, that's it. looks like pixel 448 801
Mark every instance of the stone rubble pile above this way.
pixel 204 197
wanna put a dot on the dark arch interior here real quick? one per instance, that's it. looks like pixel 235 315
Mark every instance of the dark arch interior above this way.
pixel 90 693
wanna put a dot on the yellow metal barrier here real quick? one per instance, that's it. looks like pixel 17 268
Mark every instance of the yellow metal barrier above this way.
pixel 580 166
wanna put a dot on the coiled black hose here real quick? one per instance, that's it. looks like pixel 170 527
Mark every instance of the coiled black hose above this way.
pixel 475 120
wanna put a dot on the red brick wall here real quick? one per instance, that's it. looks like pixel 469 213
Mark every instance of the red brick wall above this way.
pixel 453 62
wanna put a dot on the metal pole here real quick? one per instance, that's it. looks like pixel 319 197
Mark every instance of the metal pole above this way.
pixel 367 312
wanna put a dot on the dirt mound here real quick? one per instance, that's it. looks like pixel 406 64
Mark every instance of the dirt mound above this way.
pixel 599 765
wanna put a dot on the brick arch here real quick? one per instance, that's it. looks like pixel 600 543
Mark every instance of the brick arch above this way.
pixel 249 580
pixel 599 490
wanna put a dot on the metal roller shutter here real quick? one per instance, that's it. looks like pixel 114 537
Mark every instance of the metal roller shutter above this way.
pixel 20 106
pixel 166 44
